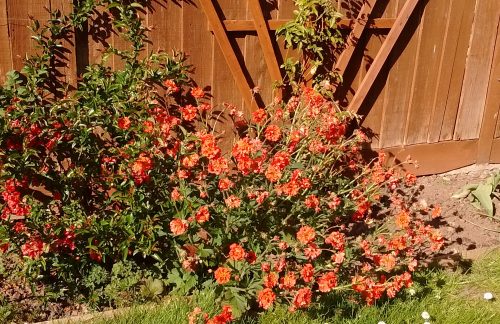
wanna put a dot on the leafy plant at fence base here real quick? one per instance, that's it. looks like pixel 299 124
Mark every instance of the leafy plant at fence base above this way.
pixel 126 176
pixel 482 193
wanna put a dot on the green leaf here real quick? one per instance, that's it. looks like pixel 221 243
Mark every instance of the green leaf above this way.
pixel 464 192
pixel 238 302
pixel 483 195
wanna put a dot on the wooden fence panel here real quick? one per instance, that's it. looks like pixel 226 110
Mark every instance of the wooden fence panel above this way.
pixel 198 43
pixel 477 70
pixel 19 13
pixel 456 20
pixel 399 83
pixel 457 72
pixel 433 26
pixel 435 89
pixel 5 42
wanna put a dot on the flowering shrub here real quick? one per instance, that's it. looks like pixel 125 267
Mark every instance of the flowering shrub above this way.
pixel 129 166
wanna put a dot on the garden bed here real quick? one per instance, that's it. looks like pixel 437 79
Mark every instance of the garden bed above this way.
pixel 469 234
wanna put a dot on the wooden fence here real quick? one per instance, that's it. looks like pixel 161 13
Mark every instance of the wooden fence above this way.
pixel 434 95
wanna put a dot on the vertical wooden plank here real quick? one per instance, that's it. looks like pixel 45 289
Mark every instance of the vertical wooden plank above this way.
pixel 285 9
pixel 492 107
pixel 399 84
pixel 197 42
pixel 456 18
pixel 120 43
pixel 20 36
pixel 68 66
pixel 165 19
pixel 450 99
pixel 350 8
pixel 421 106
pixel 5 45
pixel 99 36
pixel 373 105
pixel 477 70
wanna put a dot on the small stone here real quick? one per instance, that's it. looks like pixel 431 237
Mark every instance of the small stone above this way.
pixel 488 296
pixel 426 315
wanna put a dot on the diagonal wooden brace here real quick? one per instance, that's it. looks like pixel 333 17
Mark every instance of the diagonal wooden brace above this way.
pixel 220 34
pixel 382 55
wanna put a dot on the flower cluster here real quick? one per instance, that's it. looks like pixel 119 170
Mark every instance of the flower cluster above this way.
pixel 289 212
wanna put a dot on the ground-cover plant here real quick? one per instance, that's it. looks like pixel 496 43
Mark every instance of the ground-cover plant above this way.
pixel 127 171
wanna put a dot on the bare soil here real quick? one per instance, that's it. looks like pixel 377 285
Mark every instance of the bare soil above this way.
pixel 468 231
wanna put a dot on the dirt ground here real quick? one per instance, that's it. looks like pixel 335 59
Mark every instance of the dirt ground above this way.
pixel 468 231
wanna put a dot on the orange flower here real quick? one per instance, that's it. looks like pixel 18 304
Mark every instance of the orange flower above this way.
pixel 204 107
pixel 317 146
pixel 148 126
pixel 403 219
pixel 225 184
pixel 388 261
pixel 266 298
pixel 171 86
pixel 259 116
pixel 281 160
pixel 261 197
pixel 188 112
pixel 410 179
pixel 272 133
pixel 288 281
pixel 226 316
pixel 233 202
pixel 334 201
pixel 273 174
pixel 337 240
pixel 33 248
pixel 307 272
pixel 327 282
pixel 202 215
pixel 436 212
pixel 190 161
pixel 303 298
pixel 197 92
pixel 218 165
pixel 175 195
pixel 312 251
pixel 140 169
pixel 222 275
pixel 306 234
pixel 312 202
pixel 124 123
pixel 271 280
pixel 178 226
pixel 236 252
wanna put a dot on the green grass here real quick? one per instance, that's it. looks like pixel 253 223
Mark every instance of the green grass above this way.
pixel 450 297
